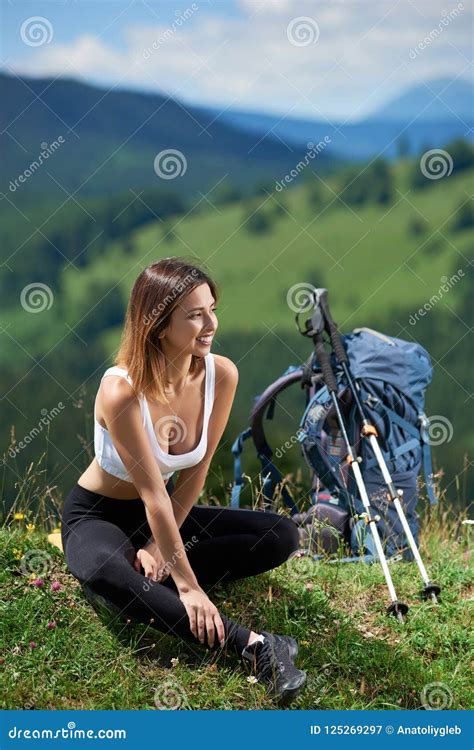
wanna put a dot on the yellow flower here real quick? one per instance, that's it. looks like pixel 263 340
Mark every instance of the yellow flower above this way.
pixel 19 516
pixel 30 527
pixel 17 553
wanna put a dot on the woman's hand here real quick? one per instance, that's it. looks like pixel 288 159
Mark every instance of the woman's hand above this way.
pixel 152 562
pixel 203 616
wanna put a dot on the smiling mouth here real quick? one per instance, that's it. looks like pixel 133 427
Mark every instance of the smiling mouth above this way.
pixel 204 339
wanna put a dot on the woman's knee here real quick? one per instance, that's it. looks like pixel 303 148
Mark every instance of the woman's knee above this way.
pixel 102 567
pixel 285 536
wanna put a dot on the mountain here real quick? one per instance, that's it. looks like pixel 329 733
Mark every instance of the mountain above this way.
pixel 432 101
pixel 416 117
pixel 105 141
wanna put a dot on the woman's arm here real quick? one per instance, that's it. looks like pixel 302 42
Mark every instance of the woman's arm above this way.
pixel 191 481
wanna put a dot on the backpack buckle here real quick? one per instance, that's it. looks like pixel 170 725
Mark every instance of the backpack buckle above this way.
pixel 371 401
pixel 424 427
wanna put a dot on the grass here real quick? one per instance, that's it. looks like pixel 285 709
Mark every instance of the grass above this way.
pixel 355 656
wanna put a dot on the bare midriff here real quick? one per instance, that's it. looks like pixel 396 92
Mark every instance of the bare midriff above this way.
pixel 95 479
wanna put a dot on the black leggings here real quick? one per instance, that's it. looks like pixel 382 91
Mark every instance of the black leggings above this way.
pixel 101 535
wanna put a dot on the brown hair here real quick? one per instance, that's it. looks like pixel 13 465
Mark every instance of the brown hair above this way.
pixel 156 292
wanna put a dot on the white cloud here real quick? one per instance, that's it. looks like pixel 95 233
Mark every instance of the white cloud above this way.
pixel 360 58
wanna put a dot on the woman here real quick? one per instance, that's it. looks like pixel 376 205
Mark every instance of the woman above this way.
pixel 161 409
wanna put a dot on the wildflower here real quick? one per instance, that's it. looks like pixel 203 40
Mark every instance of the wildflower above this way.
pixel 56 530
pixel 38 582
pixel 17 553
pixel 309 586
pixel 51 624
pixel 19 516
pixel 33 644
pixel 56 586
pixel 174 661
pixel 30 527
pixel 252 679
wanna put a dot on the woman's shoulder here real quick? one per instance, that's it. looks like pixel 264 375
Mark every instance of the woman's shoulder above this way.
pixel 226 370
pixel 117 390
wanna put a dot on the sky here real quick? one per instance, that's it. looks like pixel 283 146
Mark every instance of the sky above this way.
pixel 315 60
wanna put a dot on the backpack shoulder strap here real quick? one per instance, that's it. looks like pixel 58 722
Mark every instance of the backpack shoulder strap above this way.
pixel 269 472
pixel 237 448
pixel 427 465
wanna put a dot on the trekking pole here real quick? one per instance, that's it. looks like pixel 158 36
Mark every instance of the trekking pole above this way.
pixel 314 328
pixel 369 432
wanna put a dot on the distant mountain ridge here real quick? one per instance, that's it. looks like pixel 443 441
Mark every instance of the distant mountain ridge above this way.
pixel 439 100
pixel 416 116
pixel 112 137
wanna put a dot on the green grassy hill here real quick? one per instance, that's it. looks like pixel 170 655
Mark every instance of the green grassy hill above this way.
pixel 380 262
pixel 366 256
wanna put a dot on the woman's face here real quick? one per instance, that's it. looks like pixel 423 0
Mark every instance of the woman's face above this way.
pixel 193 319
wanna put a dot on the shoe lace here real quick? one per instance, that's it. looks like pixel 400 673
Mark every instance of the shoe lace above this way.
pixel 267 664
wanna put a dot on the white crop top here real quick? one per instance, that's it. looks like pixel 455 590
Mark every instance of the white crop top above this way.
pixel 108 458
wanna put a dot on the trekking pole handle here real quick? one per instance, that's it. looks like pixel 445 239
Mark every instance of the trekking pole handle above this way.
pixel 325 363
pixel 337 344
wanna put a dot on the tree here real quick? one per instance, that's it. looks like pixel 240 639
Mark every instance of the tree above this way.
pixel 464 216
pixel 225 193
pixel 417 226
pixel 259 220
pixel 314 194
pixel 403 147
pixel 371 183
pixel 380 176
